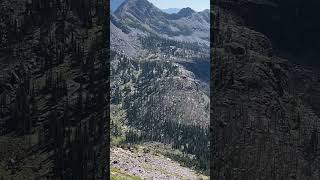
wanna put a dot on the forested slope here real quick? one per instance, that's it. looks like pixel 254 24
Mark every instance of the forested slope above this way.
pixel 53 89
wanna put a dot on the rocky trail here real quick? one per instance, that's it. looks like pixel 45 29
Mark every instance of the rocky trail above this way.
pixel 128 164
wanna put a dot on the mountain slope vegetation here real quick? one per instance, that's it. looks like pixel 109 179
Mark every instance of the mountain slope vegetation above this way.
pixel 160 78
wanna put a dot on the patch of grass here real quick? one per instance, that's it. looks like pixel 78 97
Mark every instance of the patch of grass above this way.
pixel 117 174
pixel 117 140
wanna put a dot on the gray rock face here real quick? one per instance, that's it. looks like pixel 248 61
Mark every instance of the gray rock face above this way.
pixel 264 108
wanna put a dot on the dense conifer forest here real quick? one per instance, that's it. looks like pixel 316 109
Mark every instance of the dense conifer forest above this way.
pixel 53 89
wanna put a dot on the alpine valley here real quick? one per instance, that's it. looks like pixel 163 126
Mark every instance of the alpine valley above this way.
pixel 160 72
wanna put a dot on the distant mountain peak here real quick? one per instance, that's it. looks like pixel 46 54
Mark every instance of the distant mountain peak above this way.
pixel 205 11
pixel 186 11
pixel 141 9
pixel 135 3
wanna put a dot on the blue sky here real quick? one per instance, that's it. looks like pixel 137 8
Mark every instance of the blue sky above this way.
pixel 197 5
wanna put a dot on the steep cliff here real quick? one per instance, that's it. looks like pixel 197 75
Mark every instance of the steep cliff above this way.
pixel 265 120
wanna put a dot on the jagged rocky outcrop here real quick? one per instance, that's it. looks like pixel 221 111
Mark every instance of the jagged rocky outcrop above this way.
pixel 265 121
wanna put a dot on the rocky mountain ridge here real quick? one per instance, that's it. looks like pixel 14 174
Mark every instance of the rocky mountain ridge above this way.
pixel 143 16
